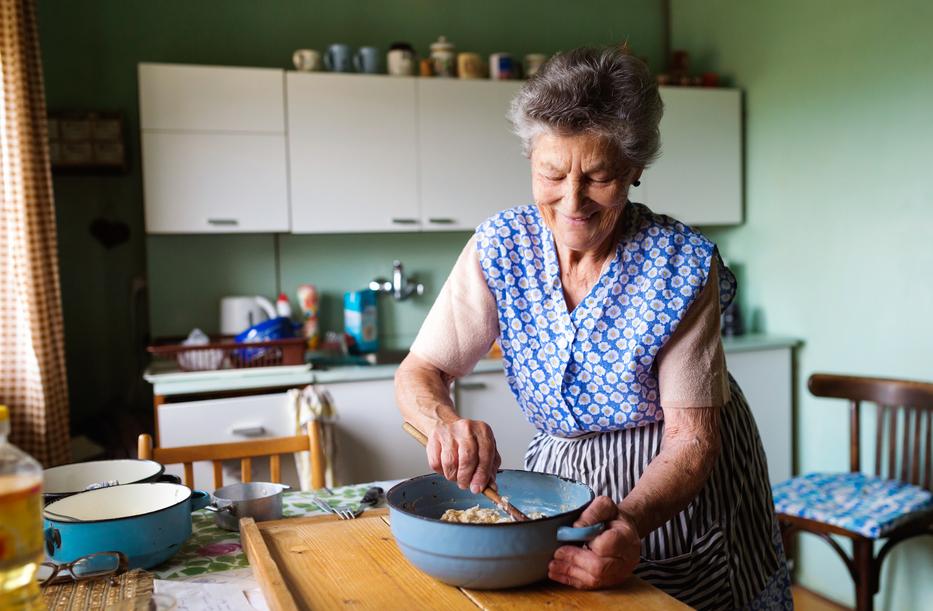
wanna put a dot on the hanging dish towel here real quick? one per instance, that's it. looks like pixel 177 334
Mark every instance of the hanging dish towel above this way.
pixel 313 402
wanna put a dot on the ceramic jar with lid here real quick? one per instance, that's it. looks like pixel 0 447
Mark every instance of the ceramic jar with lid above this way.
pixel 444 57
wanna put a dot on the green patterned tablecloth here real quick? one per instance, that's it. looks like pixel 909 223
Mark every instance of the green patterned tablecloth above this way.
pixel 211 549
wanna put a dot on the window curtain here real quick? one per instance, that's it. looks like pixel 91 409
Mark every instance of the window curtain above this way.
pixel 32 351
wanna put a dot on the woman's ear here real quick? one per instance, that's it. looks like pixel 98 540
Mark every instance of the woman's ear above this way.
pixel 637 175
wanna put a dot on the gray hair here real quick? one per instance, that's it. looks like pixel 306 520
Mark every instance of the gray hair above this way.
pixel 601 91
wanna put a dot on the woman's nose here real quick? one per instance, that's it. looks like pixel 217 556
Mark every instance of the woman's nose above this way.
pixel 574 195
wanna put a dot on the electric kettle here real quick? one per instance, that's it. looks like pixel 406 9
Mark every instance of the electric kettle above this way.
pixel 242 312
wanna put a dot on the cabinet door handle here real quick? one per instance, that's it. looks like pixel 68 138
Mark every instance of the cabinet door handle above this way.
pixel 223 222
pixel 442 221
pixel 471 385
pixel 250 431
pixel 404 221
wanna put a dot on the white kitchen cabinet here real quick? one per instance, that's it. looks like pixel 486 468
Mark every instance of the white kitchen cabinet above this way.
pixel 223 421
pixel 698 178
pixel 353 163
pixel 765 376
pixel 487 397
pixel 371 444
pixel 213 149
pixel 471 164
pixel 196 182
pixel 211 98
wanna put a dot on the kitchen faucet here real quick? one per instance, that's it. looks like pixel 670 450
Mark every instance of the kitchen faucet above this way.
pixel 400 287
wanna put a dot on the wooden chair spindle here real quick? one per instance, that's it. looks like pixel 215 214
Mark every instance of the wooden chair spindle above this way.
pixel 246 469
pixel 189 475
pixel 879 437
pixel 915 461
pixel 892 442
pixel 854 422
pixel 928 461
pixel 275 468
pixel 218 474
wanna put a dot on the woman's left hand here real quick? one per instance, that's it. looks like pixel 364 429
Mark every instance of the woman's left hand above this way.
pixel 611 557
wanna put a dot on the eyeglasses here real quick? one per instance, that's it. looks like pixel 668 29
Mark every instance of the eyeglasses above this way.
pixel 91 566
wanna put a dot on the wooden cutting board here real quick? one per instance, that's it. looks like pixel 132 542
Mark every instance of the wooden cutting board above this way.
pixel 321 563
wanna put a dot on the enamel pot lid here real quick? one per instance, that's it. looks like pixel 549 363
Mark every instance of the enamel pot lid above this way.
pixel 76 477
pixel 117 502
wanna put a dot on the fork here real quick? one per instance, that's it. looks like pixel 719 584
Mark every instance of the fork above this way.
pixel 344 512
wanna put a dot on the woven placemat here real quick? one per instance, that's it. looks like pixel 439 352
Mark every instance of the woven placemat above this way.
pixel 116 591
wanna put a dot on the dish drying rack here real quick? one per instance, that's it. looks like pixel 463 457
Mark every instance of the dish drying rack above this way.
pixel 224 353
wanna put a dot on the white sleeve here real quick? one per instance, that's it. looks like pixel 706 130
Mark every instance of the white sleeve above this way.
pixel 463 322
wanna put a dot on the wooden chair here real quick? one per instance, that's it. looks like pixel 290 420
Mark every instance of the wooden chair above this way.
pixel 892 506
pixel 245 451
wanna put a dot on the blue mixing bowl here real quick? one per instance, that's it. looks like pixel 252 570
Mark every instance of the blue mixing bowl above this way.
pixel 488 556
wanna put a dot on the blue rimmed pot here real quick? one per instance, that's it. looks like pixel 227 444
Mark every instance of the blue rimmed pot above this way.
pixel 488 556
pixel 148 522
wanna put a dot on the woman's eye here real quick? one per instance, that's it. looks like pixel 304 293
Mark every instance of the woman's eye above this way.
pixel 551 178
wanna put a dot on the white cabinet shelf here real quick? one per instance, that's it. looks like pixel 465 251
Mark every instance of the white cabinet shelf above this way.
pixel 698 178
pixel 213 149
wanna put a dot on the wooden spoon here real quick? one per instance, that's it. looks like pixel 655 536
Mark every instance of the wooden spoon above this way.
pixel 491 494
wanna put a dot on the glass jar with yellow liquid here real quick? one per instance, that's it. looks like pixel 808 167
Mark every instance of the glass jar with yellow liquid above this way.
pixel 21 550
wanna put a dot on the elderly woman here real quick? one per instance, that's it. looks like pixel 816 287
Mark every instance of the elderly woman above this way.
pixel 608 318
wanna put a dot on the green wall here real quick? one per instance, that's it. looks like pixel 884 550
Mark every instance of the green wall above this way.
pixel 90 51
pixel 839 211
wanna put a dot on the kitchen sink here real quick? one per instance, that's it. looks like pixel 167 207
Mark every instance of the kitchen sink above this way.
pixel 386 357
pixel 382 357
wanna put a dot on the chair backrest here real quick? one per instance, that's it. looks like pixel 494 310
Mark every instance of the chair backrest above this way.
pixel 245 451
pixel 904 422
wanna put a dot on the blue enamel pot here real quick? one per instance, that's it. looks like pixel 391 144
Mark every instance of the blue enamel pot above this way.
pixel 148 522
pixel 488 556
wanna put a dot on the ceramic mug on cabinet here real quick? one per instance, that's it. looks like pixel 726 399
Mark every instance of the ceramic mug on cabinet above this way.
pixel 366 60
pixel 307 60
pixel 401 59
pixel 501 66
pixel 470 65
pixel 338 58
pixel 533 63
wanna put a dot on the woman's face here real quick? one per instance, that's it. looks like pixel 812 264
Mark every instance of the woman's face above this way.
pixel 580 184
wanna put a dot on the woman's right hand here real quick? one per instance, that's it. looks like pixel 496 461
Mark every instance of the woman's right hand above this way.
pixel 464 451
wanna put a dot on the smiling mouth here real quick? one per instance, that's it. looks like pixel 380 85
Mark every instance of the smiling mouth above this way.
pixel 579 218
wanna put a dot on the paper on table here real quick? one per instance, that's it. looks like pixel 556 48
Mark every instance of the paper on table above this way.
pixel 193 596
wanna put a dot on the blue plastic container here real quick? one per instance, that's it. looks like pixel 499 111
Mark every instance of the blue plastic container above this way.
pixel 488 556
pixel 274 328
pixel 360 320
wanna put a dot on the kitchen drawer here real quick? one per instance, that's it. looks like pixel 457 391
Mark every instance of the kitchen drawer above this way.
pixel 223 421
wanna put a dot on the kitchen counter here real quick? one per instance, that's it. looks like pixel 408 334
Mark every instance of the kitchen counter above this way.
pixel 168 381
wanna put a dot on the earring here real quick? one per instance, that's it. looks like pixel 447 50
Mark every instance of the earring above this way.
pixel 636 183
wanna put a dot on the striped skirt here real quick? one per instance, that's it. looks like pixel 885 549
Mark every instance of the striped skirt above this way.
pixel 723 551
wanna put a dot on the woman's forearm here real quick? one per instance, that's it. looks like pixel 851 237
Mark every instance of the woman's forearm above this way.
pixel 422 393
pixel 674 478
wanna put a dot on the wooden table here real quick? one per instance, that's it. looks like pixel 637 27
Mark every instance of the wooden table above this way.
pixel 322 563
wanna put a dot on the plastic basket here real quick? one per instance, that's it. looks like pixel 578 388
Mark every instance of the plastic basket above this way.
pixel 224 353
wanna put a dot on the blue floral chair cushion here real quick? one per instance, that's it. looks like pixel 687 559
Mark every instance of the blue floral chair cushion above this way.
pixel 865 504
